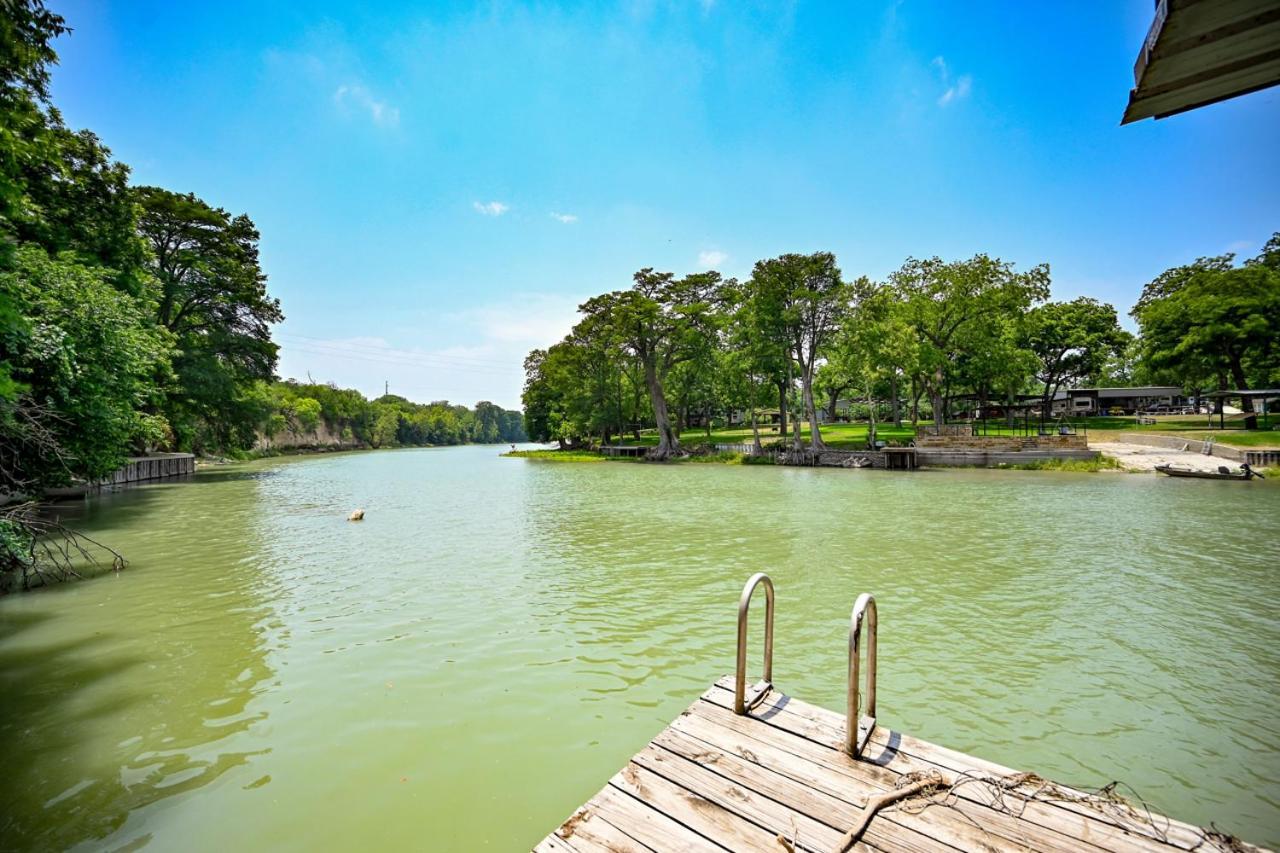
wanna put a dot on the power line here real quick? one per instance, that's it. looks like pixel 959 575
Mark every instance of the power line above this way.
pixel 404 360
pixel 382 350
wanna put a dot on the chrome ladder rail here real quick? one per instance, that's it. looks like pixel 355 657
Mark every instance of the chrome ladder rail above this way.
pixel 858 728
pixel 742 701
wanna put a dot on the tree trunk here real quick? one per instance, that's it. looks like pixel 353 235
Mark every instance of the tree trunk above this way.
pixel 811 411
pixel 897 402
pixel 668 443
pixel 756 448
pixel 871 421
pixel 831 404
pixel 782 410
pixel 1246 403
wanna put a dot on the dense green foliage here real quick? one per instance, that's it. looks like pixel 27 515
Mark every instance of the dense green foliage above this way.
pixel 797 331
pixel 1214 324
pixel 702 351
pixel 302 410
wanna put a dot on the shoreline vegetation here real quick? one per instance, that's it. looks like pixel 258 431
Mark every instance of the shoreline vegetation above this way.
pixel 729 457
pixel 798 344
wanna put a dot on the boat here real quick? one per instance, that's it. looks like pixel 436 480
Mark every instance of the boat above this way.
pixel 1223 473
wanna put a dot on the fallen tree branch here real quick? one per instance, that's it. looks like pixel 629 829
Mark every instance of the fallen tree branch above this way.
pixel 876 803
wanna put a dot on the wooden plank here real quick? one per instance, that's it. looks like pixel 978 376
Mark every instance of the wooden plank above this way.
pixel 645 823
pixel 551 844
pixel 748 807
pixel 965 823
pixel 691 810
pixel 833 813
pixel 587 831
pixel 827 729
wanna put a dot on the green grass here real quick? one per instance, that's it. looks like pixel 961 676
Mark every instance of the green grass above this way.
pixel 837 436
pixel 562 455
pixel 723 458
pixel 1101 463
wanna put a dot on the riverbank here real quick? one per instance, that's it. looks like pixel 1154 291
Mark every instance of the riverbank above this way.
pixel 725 457
pixel 1099 463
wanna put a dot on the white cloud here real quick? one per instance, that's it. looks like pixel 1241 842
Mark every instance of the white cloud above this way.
pixel 566 218
pixel 353 95
pixel 531 320
pixel 952 91
pixel 468 355
pixel 711 258
pixel 490 208
pixel 1240 245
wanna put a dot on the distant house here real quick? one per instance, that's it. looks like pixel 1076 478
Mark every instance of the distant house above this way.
pixel 1101 401
pixel 843 411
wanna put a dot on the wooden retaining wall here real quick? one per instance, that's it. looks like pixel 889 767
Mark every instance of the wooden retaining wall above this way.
pixel 157 466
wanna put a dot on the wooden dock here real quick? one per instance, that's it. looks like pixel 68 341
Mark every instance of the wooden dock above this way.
pixel 759 770
pixel 777 779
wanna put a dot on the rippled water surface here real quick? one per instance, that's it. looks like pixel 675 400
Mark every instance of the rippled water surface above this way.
pixel 477 657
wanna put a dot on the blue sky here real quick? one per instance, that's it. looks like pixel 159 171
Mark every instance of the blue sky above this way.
pixel 439 184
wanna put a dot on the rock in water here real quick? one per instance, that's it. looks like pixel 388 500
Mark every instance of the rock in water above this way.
pixel 356 515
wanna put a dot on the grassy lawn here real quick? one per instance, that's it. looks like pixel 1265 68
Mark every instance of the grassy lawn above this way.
pixel 723 458
pixel 838 436
pixel 841 436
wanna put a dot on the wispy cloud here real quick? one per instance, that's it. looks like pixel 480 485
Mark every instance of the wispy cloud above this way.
pixel 490 208
pixel 711 258
pixel 357 96
pixel 953 91
pixel 1239 245
pixel 566 218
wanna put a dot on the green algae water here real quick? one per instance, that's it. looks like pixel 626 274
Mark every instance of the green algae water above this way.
pixel 475 659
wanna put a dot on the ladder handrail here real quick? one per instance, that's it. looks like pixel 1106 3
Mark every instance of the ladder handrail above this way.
pixel 741 704
pixel 865 606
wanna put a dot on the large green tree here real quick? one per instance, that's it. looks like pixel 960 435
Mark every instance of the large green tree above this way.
pixel 812 298
pixel 1072 341
pixel 85 361
pixel 962 306
pixel 212 296
pixel 661 322
pixel 1213 318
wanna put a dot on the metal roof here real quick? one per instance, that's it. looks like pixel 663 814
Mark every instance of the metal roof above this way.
pixel 1263 392
pixel 1136 391
pixel 1199 52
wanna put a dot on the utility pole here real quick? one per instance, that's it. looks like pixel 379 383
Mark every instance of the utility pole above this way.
pixel 386 387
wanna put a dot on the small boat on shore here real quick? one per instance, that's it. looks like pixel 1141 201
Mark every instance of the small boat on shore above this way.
pixel 1223 473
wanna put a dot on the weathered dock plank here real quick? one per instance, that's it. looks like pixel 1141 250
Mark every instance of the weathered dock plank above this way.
pixel 777 779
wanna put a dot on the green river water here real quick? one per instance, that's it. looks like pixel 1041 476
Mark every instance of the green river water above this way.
pixel 475 659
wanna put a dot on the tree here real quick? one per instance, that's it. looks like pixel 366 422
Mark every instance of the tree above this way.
pixel 1213 317
pixel 1072 341
pixel 213 298
pixel 812 297
pixel 85 366
pixel 662 321
pixel 959 306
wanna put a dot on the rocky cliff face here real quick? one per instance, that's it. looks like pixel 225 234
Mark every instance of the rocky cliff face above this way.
pixel 320 438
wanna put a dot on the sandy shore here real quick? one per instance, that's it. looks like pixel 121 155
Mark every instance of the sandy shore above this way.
pixel 1139 457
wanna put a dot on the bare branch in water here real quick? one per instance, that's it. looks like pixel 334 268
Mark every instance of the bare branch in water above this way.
pixel 42 550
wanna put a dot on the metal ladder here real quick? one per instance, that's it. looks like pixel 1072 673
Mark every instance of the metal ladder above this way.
pixel 858 727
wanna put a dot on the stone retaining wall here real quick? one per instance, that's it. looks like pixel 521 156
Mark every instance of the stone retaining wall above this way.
pixel 1001 443
pixel 990 458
